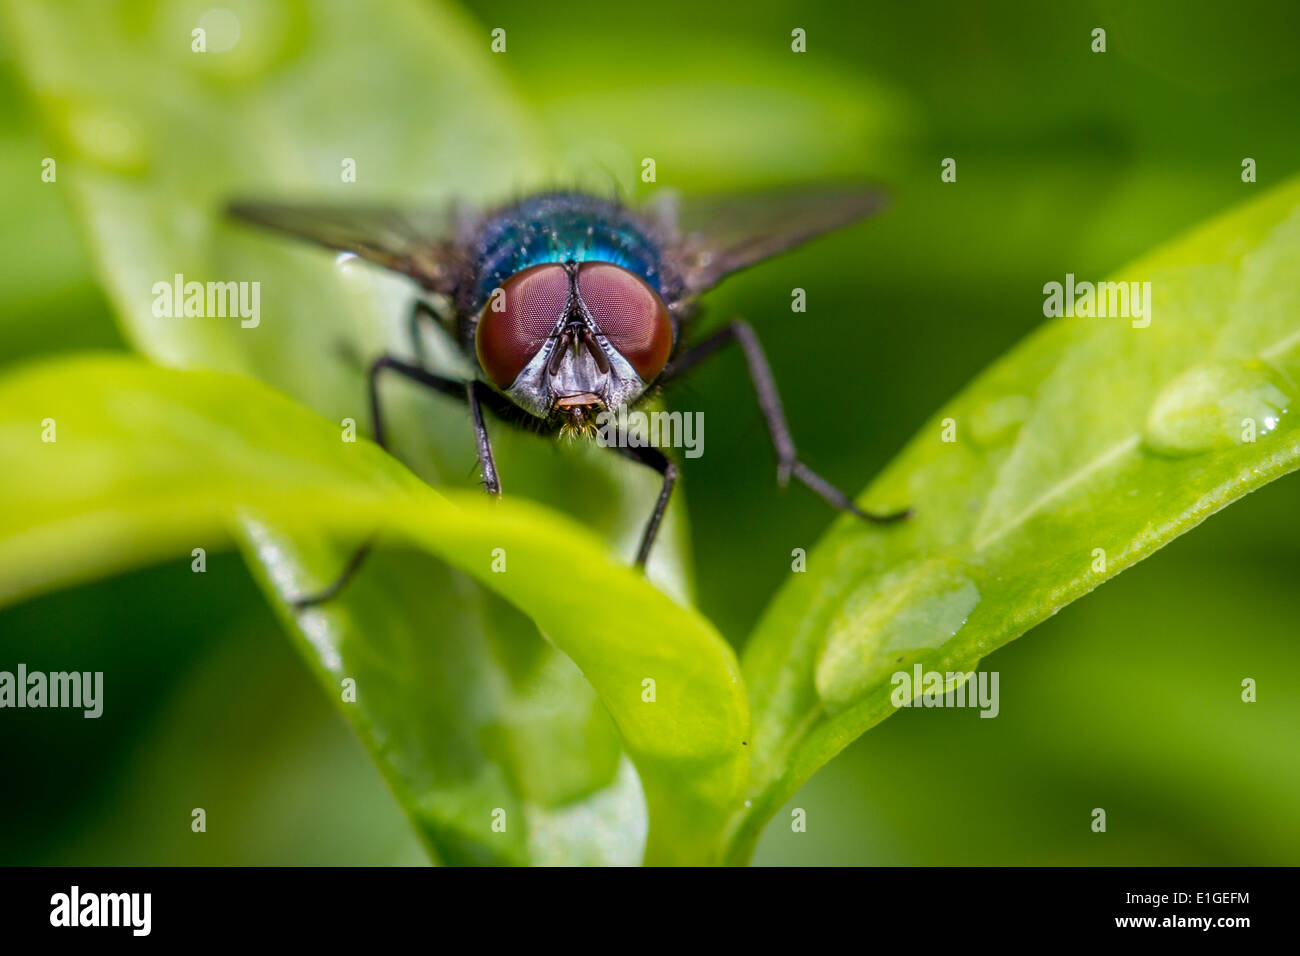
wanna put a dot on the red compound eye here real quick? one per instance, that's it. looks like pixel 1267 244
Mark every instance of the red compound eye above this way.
pixel 630 314
pixel 530 303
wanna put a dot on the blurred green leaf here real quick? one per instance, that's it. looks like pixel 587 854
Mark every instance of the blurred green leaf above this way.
pixel 149 463
pixel 152 139
pixel 48 297
pixel 730 114
pixel 1088 447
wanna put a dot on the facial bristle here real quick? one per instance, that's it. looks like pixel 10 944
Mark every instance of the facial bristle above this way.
pixel 578 423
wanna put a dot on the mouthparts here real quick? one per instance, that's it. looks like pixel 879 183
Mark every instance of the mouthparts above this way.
pixel 579 411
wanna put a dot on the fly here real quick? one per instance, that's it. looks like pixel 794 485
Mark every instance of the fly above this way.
pixel 569 305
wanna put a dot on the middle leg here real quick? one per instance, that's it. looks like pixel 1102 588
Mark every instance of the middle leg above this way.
pixel 656 459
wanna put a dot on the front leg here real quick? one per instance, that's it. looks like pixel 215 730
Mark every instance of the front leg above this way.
pixel 487 466
pixel 769 401
pixel 465 391
pixel 475 393
pixel 652 458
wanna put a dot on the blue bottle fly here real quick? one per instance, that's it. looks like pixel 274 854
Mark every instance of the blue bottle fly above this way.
pixel 569 305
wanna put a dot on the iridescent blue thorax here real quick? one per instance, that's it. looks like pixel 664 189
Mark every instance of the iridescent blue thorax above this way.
pixel 563 227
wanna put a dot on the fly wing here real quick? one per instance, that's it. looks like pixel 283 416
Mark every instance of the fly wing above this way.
pixel 419 244
pixel 716 236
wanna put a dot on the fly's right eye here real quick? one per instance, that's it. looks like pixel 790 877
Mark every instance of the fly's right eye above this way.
pixel 517 320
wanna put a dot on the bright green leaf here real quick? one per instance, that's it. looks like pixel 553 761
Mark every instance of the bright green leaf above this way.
pixel 148 463
pixel 1088 447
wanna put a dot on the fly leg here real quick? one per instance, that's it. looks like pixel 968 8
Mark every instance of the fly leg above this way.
pixel 769 401
pixel 487 466
pixel 421 309
pixel 469 392
pixel 652 458
pixel 475 393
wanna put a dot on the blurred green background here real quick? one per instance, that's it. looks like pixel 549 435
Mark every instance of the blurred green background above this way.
pixel 1067 161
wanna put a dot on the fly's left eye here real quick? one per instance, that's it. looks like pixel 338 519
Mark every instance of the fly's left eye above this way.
pixel 630 314
pixel 509 336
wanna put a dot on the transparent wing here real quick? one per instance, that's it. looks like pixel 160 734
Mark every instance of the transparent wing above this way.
pixel 719 235
pixel 419 244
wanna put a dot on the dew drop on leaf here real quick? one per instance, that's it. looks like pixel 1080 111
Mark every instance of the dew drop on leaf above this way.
pixel 1216 406
pixel 108 140
pixel 890 622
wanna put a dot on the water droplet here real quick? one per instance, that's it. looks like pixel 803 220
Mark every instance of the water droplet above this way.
pixel 243 39
pixel 222 28
pixel 889 623
pixel 354 273
pixel 1216 406
pixel 107 139
pixel 998 420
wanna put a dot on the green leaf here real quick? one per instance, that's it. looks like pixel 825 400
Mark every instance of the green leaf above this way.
pixel 469 708
pixel 148 463
pixel 1084 450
